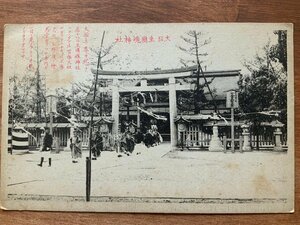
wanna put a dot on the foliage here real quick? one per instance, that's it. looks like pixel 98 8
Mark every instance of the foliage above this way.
pixel 22 98
pixel 27 101
pixel 265 89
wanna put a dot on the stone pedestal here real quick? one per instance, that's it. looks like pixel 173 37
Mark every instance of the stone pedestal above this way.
pixel 246 138
pixel 277 133
pixel 215 144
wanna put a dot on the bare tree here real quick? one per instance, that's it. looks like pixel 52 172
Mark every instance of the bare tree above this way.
pixel 40 95
pixel 195 42
pixel 104 57
pixel 84 99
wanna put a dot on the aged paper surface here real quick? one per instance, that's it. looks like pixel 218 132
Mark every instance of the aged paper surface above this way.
pixel 179 118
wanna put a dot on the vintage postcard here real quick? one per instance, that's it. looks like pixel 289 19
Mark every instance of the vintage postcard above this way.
pixel 158 118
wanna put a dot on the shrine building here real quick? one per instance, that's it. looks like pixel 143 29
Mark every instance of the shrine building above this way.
pixel 162 92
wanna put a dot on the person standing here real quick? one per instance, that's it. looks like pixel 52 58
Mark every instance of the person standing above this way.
pixel 97 145
pixel 75 147
pixel 130 144
pixel 47 146
pixel 139 137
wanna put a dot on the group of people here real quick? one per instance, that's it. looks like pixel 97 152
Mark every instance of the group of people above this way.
pixel 131 137
pixel 153 137
pixel 99 143
pixel 47 142
pixel 124 143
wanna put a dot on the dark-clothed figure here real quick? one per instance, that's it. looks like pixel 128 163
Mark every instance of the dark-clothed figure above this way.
pixel 47 145
pixel 97 145
pixel 149 139
pixel 139 137
pixel 130 142
pixel 48 141
pixel 127 143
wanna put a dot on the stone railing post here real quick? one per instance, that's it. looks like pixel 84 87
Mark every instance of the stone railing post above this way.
pixel 246 138
pixel 277 133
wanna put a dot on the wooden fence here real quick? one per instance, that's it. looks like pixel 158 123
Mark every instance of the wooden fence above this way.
pixel 199 136
pixel 62 135
pixel 196 136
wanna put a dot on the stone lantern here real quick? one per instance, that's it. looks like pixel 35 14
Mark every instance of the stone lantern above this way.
pixel 215 144
pixel 246 137
pixel 277 133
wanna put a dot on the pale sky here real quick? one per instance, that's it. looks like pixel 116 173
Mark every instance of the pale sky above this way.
pixel 230 45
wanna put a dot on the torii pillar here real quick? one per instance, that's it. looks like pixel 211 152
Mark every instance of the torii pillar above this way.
pixel 173 110
pixel 115 107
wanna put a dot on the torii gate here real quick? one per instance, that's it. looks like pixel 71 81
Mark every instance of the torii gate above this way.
pixel 143 77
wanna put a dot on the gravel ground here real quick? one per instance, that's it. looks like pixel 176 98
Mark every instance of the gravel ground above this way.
pixel 154 172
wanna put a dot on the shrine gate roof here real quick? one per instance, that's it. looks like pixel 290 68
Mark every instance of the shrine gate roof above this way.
pixel 162 74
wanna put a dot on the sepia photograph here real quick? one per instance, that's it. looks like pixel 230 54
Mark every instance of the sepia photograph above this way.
pixel 158 118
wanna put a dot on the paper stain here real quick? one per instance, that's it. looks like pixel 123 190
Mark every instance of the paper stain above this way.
pixel 232 166
pixel 263 186
pixel 59 79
